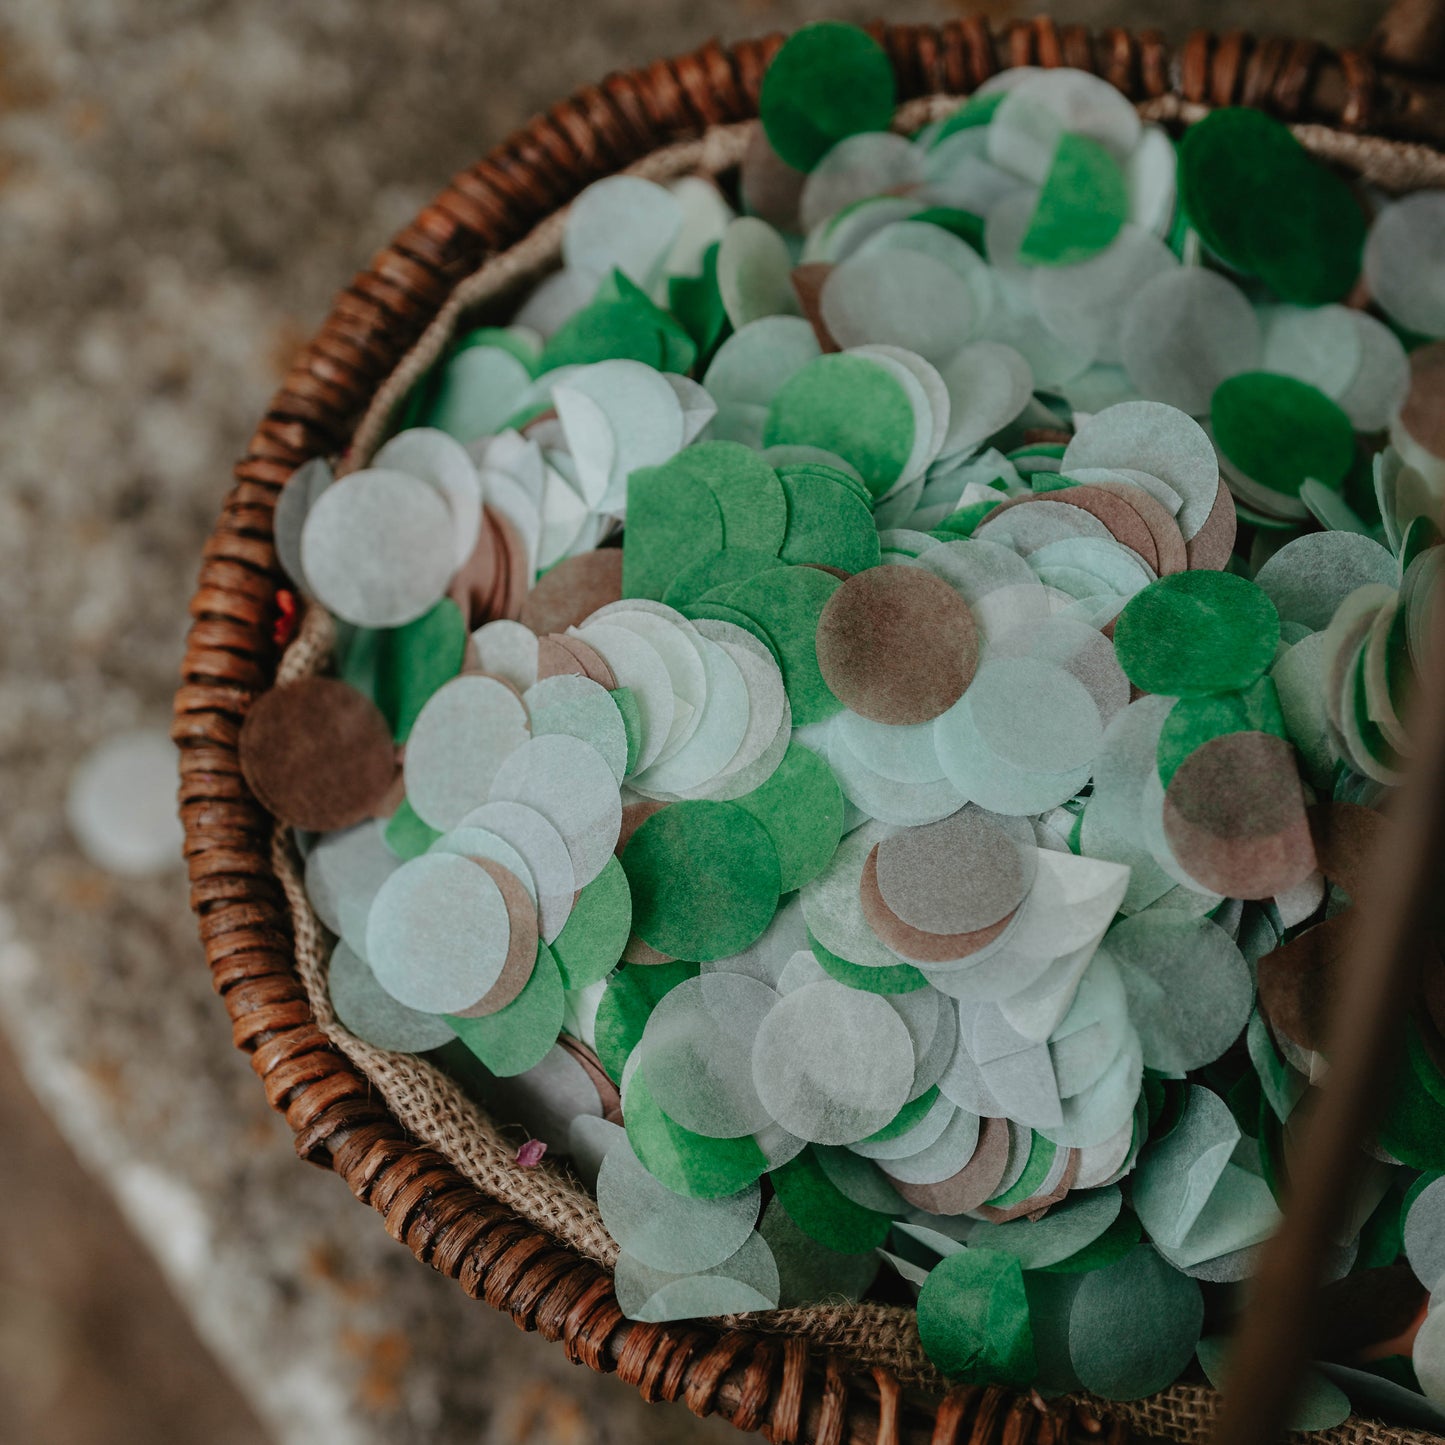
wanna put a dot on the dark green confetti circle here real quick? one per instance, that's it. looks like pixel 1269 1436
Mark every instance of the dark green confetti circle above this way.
pixel 829 81
pixel 705 880
pixel 1279 431
pixel 822 1211
pixel 1197 633
pixel 973 1318
pixel 1265 205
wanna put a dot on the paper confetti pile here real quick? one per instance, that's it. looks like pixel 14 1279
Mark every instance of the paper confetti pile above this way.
pixel 866 717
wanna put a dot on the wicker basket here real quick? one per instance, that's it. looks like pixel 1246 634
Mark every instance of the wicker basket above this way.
pixel 418 1152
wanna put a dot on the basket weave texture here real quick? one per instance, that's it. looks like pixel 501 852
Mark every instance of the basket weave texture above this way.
pixel 403 1136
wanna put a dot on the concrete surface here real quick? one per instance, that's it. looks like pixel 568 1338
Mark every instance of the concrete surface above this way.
pixel 183 183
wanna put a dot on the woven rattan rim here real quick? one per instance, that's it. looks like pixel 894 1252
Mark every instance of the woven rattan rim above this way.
pixel 781 1384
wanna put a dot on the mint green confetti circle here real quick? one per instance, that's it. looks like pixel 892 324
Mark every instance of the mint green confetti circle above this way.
pixel 687 1163
pixel 1134 1325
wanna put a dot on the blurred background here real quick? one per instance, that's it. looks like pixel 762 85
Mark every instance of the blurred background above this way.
pixel 183 185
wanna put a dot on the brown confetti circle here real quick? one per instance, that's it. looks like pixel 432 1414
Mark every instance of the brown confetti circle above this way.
pixel 573 590
pixel 1423 414
pixel 913 943
pixel 1234 817
pixel 897 645
pixel 318 754
pixel 976 1182
pixel 1211 546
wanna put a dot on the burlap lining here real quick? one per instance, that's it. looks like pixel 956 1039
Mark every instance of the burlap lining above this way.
pixel 431 1106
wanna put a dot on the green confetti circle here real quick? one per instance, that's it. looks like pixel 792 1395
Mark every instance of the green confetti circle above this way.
pixel 822 1211
pixel 632 994
pixel 520 1036
pixel 852 407
pixel 1280 431
pixel 786 605
pixel 718 569
pixel 973 1318
pixel 1194 721
pixel 1196 633
pixel 1081 209
pixel 673 521
pixel 1134 1326
pixel 1265 205
pixel 828 81
pixel 596 930
pixel 747 490
pixel 705 880
pixel 801 806
pixel 413 661
pixel 687 1163
pixel 828 525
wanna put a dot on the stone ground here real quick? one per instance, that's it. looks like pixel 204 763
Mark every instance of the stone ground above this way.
pixel 183 183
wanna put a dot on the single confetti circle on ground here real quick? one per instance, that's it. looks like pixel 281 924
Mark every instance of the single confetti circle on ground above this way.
pixel 121 804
